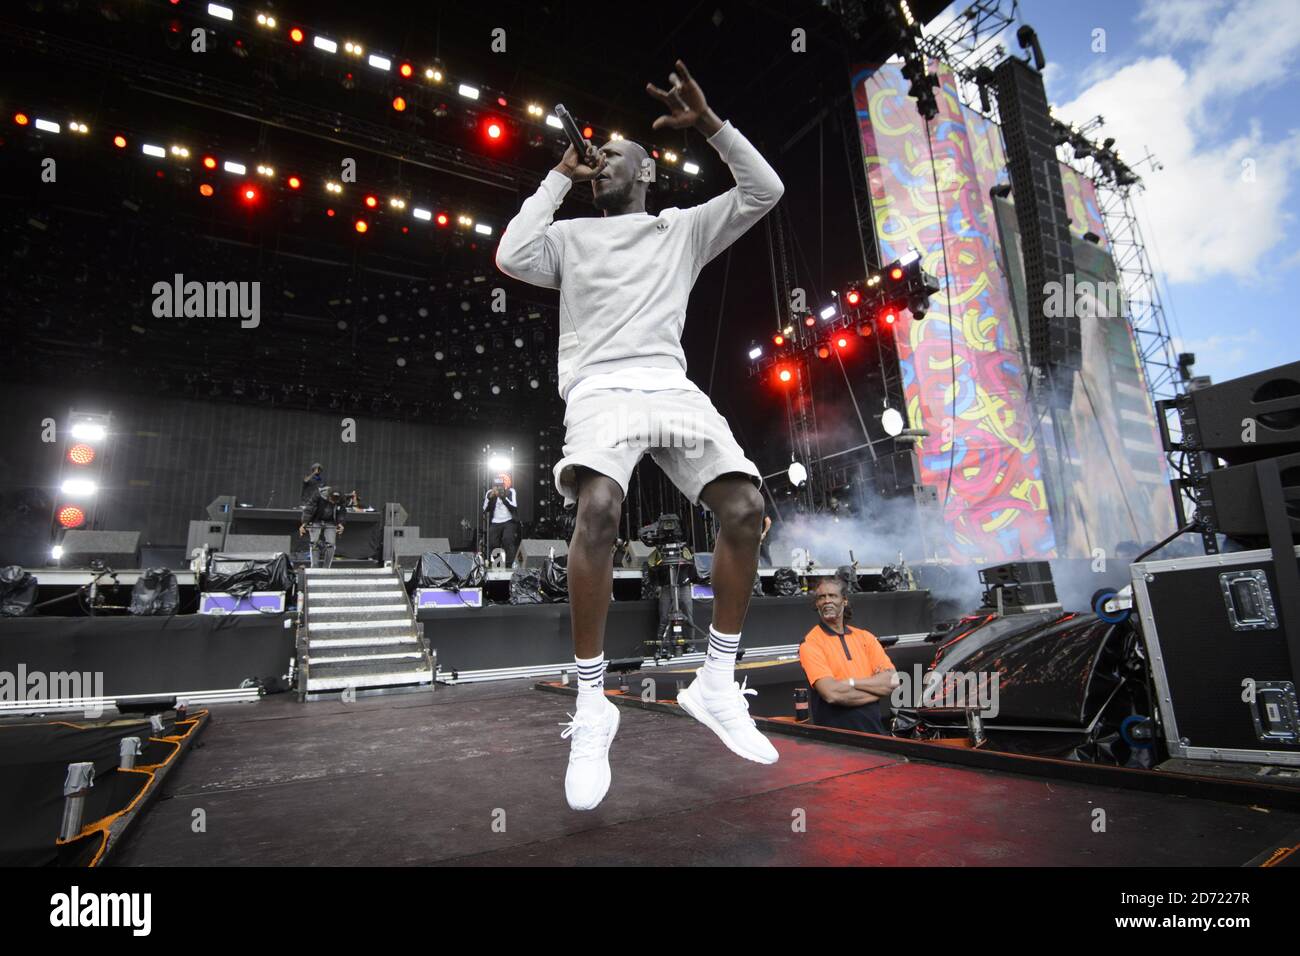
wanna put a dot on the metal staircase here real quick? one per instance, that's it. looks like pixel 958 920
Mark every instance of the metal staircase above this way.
pixel 358 630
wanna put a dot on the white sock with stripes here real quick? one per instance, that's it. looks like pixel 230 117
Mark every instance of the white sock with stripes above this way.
pixel 720 660
pixel 591 679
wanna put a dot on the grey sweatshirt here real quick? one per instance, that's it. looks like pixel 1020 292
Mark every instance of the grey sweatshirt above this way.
pixel 624 280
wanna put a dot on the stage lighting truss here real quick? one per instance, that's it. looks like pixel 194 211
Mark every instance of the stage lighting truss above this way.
pixel 208 161
pixel 867 308
pixel 252 31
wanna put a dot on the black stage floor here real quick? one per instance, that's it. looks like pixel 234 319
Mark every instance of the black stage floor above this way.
pixel 474 774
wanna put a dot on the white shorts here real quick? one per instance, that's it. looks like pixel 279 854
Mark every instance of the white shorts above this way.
pixel 609 429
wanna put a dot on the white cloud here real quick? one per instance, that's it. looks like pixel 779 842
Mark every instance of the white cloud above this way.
pixel 1221 354
pixel 1208 218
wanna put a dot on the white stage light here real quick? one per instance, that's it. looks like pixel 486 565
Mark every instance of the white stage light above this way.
pixel 380 62
pixel 469 92
pixel 47 126
pixel 498 463
pixel 78 487
pixel 321 43
pixel 755 352
pixel 89 431
pixel 797 473
pixel 891 419
pixel 482 229
pixel 237 168
pixel 828 312
pixel 691 168
pixel 220 12
pixel 419 213
pixel 553 120
pixel 151 150
pixel 56 552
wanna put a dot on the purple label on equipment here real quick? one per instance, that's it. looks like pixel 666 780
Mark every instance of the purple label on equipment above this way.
pixel 259 602
pixel 701 592
pixel 446 597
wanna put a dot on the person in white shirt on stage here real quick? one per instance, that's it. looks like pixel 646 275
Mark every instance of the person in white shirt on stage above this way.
pixel 624 281
pixel 501 505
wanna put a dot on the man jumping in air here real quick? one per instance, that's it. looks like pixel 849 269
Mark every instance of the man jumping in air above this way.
pixel 624 282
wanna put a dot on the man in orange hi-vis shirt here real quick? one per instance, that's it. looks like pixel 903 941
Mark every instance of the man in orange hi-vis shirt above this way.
pixel 847 669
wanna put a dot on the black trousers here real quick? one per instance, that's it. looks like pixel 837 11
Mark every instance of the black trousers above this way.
pixel 505 535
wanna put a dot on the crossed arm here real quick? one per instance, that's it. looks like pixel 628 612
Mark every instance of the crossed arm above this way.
pixel 868 690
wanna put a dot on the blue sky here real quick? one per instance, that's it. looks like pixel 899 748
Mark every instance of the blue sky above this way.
pixel 1205 85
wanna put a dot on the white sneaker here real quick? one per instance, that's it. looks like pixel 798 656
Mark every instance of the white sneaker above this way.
pixel 727 715
pixel 592 731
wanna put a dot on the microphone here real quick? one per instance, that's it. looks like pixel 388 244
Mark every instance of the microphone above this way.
pixel 572 131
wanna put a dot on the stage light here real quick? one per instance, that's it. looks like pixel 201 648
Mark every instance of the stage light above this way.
pixel 150 150
pixel 78 487
pixel 896 273
pixel 827 313
pixel 587 132
pixel 615 136
pixel 910 257
pixel 778 340
pixel 405 70
pixel 784 374
pixel 755 353
pixel 797 473
pixel 493 129
pixel 891 420
pixel 250 194
pixel 419 213
pixel 70 516
pixel 265 170
pixel 89 431
pixel 396 203
pixel 361 225
pixel 237 168
pixel 119 142
pixel 209 162
pixel 456 394
pixel 464 220
pixel 432 74
pixel 823 351
pixel 533 383
pixel 690 168
pixel 79 127
pixel 21 119
pixel 890 317
pixel 330 213
pixel 918 305
pixel 265 21
pixel 498 463
pixel 205 190
pixel 467 91
pixel 333 187
pixel 809 321
pixel 482 229
pixel 380 62
pixel 496 389
pixel 296 35
pixel 56 552
pixel 853 297
pixel 553 120
pixel 220 12
pixel 371 201
pixel 842 342
pixel 399 104
pixel 81 454
pixel 321 43
pixel 294 182
pixel 442 219
pixel 865 330
pixel 534 110
pixel 47 126
pixel 670 156
pixel 180 151
pixel 519 342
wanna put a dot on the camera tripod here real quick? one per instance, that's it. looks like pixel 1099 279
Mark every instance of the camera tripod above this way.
pixel 671 639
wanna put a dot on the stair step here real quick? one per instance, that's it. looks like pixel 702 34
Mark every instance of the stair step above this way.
pixel 318 626
pixel 338 658
pixel 362 641
pixel 388 595
pixel 349 582
pixel 356 608
pixel 393 679
pixel 320 572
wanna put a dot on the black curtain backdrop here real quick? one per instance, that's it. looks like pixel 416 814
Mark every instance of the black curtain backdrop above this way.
pixel 168 457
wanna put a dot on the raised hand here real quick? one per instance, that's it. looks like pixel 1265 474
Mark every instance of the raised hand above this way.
pixel 685 100
pixel 580 169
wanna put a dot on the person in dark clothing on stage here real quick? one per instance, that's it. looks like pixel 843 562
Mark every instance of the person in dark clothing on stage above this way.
pixel 501 505
pixel 322 520
pixel 311 485
pixel 764 546
pixel 847 669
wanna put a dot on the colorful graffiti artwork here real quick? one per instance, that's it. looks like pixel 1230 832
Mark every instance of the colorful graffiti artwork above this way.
pixel 962 368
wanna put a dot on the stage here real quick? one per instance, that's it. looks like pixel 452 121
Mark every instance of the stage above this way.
pixel 474 775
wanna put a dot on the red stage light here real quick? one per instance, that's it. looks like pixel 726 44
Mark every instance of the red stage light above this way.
pixel 842 342
pixel 442 219
pixel 896 273
pixel 119 141
pixel 70 516
pixel 249 194
pixel 81 454
pixel 21 119
pixel 209 162
pixel 405 69
pixel 294 182
pixel 205 190
pixel 890 317
pixel 854 297
pixel 810 321
pixel 372 202
pixel 865 330
pixel 296 35
pixel 587 132
pixel 361 225
pixel 823 351
pixel 784 375
pixel 399 104
pixel 778 339
pixel 330 213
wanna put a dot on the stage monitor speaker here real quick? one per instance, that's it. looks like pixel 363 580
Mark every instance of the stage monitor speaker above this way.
pixel 533 552
pixel 636 554
pixel 407 549
pixel 1234 504
pixel 394 514
pixel 117 549
pixel 206 533
pixel 1249 418
pixel 222 508
pixel 260 544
